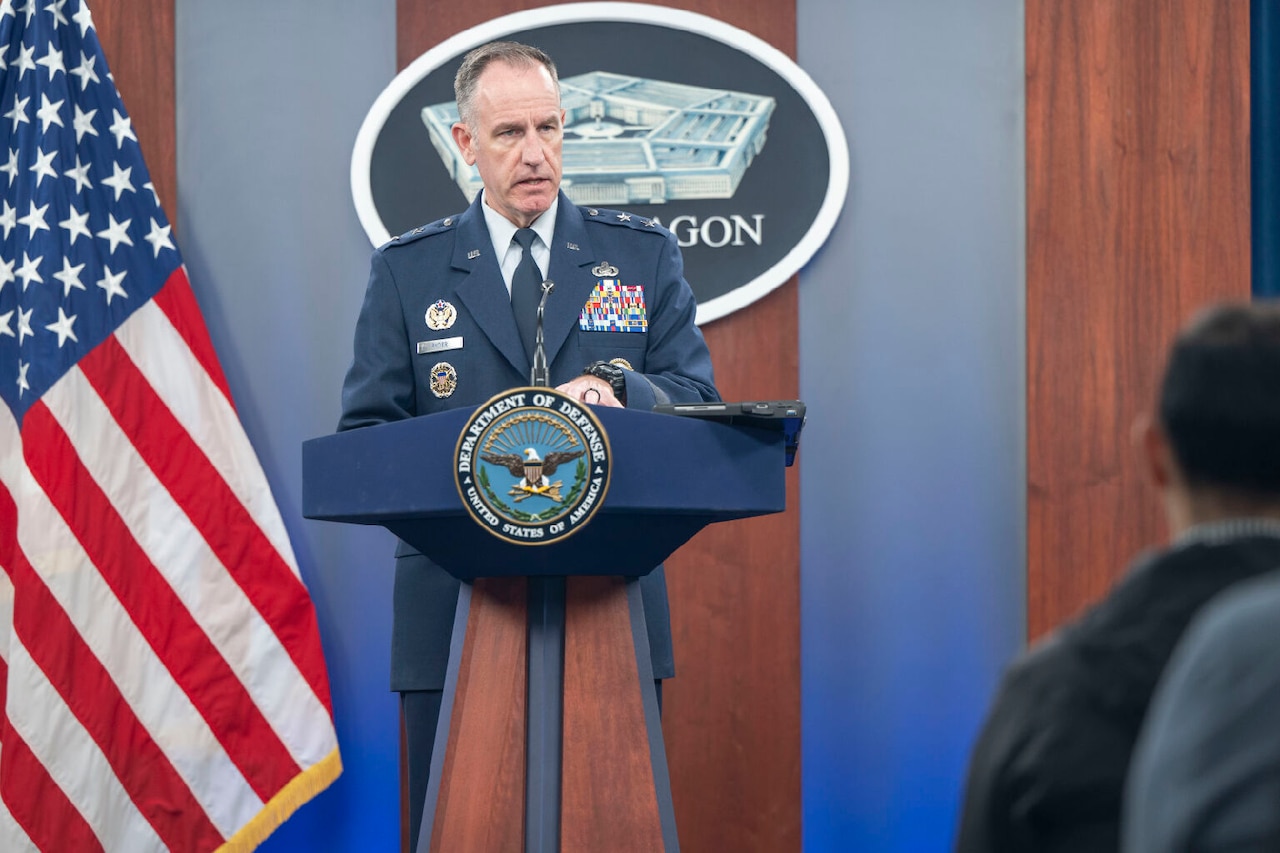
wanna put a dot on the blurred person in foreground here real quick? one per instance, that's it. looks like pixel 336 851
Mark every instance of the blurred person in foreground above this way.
pixel 1206 771
pixel 1048 770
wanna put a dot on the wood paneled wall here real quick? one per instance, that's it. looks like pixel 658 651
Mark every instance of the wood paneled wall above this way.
pixel 137 38
pixel 731 717
pixel 1137 214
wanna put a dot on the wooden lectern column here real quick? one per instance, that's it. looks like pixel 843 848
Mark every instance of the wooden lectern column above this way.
pixel 607 804
pixel 602 772
pixel 481 800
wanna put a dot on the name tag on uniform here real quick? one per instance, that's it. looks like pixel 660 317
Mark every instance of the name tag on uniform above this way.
pixel 440 345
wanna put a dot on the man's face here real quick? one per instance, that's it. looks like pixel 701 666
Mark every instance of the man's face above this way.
pixel 515 140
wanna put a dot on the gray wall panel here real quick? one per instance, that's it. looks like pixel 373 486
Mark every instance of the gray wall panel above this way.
pixel 269 99
pixel 913 461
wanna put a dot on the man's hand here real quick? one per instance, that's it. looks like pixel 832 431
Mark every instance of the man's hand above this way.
pixel 590 389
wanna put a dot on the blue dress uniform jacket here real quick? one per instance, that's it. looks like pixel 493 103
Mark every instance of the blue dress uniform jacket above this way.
pixel 453 260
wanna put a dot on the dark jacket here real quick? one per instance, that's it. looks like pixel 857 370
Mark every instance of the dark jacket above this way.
pixel 1048 771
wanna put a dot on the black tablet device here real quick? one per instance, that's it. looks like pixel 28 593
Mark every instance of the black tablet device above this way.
pixel 786 416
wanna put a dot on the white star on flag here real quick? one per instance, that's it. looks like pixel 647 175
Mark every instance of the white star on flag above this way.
pixel 116 233
pixel 34 220
pixel 84 20
pixel 75 225
pixel 24 324
pixel 122 127
pixel 25 61
pixel 159 238
pixel 52 61
pixel 43 167
pixel 110 283
pixel 19 112
pixel 48 113
pixel 11 167
pixel 62 327
pixel 56 8
pixel 30 270
pixel 80 174
pixel 70 277
pixel 84 71
pixel 83 122
pixel 119 180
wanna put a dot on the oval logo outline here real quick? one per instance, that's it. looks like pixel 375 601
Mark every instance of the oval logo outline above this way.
pixel 764 281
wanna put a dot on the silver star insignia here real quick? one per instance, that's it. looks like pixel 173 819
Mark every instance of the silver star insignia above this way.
pixel 624 217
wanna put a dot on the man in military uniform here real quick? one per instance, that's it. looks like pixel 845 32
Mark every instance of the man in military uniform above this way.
pixel 448 322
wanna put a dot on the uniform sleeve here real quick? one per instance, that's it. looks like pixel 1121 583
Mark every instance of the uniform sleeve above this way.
pixel 379 386
pixel 677 363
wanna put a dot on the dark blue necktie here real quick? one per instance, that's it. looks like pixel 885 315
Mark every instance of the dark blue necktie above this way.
pixel 526 290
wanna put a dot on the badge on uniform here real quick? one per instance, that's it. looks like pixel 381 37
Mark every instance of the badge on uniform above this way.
pixel 614 307
pixel 441 315
pixel 444 379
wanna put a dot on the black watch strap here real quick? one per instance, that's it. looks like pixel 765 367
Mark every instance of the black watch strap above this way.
pixel 612 374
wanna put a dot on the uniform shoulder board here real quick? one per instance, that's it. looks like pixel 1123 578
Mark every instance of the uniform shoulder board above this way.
pixel 423 231
pixel 620 217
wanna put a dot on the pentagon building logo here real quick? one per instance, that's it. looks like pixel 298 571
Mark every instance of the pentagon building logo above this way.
pixel 630 141
pixel 670 115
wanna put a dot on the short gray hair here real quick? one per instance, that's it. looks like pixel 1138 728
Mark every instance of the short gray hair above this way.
pixel 474 63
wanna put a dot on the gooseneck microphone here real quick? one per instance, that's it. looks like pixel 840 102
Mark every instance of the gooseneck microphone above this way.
pixel 538 375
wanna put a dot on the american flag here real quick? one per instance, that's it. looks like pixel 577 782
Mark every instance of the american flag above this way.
pixel 160 665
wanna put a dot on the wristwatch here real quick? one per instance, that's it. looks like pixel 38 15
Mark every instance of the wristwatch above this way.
pixel 612 374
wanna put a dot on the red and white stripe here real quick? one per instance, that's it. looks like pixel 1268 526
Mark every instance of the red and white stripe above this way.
pixel 160 662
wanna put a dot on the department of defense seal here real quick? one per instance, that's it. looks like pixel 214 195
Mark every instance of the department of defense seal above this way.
pixel 532 465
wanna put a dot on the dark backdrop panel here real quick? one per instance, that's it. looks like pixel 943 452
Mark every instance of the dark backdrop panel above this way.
pixel 1137 214
pixel 731 717
pixel 137 38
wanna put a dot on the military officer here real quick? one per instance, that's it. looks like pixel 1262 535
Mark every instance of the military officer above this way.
pixel 447 322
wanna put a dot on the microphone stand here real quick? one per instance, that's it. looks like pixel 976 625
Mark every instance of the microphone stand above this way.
pixel 538 375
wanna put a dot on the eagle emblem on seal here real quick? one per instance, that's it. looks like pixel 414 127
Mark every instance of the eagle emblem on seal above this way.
pixel 534 471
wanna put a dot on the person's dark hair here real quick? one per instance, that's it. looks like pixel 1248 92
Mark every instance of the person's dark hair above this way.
pixel 475 62
pixel 1220 399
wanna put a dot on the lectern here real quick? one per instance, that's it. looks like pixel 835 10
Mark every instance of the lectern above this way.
pixel 549 737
